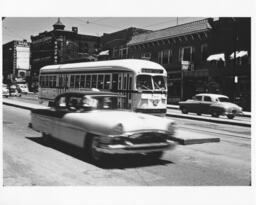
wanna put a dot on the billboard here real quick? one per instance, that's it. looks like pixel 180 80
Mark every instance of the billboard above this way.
pixel 22 55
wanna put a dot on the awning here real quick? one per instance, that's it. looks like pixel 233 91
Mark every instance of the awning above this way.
pixel 239 54
pixel 104 53
pixel 216 57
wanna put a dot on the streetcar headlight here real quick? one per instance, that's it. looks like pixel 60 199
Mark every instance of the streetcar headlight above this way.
pixel 144 102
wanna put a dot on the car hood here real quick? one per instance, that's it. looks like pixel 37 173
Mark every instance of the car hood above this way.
pixel 103 122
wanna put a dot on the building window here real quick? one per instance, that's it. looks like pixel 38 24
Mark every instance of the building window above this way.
pixel 165 56
pixel 187 53
pixel 146 55
pixel 204 52
pixel 115 53
pixel 123 52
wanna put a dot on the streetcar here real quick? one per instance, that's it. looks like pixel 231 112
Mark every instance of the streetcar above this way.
pixel 142 82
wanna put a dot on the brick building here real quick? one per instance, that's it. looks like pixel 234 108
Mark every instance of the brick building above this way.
pixel 16 65
pixel 114 45
pixel 184 50
pixel 61 46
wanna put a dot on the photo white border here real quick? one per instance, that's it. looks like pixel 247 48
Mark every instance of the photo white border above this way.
pixel 138 195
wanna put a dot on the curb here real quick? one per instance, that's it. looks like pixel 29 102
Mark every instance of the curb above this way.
pixel 209 120
pixel 19 106
pixel 176 107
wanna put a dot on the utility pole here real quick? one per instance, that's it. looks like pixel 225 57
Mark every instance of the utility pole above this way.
pixel 235 78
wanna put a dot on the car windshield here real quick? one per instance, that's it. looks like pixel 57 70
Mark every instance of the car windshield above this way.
pixel 146 82
pixel 98 102
pixel 224 99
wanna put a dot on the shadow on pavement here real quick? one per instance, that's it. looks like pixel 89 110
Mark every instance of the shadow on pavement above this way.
pixel 111 162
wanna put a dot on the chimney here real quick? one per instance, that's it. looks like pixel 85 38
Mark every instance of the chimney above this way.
pixel 75 29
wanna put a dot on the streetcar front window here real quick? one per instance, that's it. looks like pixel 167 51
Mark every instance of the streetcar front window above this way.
pixel 159 82
pixel 144 82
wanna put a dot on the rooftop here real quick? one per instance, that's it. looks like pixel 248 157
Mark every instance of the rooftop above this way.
pixel 171 32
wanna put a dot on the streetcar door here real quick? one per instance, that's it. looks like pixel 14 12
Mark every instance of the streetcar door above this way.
pixel 129 90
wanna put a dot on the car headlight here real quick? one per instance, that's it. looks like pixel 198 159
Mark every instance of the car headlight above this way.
pixel 118 129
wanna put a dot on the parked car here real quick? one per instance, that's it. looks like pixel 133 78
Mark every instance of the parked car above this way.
pixel 5 91
pixel 91 120
pixel 214 104
pixel 14 91
pixel 23 88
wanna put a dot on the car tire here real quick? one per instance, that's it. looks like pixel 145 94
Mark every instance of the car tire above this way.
pixel 215 114
pixel 184 110
pixel 92 154
pixel 231 116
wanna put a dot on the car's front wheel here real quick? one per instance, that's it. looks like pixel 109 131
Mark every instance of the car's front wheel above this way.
pixel 91 150
pixel 230 116
pixel 215 113
pixel 184 110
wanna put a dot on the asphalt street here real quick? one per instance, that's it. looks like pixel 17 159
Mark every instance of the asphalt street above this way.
pixel 27 160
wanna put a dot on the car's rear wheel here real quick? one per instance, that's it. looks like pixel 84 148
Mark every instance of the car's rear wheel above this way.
pixel 215 114
pixel 230 116
pixel 155 155
pixel 184 110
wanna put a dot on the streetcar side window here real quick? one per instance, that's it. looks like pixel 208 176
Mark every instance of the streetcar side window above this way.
pixel 46 81
pixel 77 81
pixel 72 81
pixel 88 81
pixel 100 81
pixel 107 82
pixel 82 81
pixel 54 82
pixel 94 81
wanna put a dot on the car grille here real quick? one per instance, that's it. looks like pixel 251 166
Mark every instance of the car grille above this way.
pixel 148 137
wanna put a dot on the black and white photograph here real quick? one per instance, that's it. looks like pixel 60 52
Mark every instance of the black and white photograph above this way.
pixel 131 101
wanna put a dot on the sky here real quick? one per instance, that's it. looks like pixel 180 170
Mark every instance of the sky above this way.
pixel 19 28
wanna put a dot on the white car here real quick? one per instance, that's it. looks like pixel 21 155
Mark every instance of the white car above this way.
pixel 5 91
pixel 214 104
pixel 23 88
pixel 91 120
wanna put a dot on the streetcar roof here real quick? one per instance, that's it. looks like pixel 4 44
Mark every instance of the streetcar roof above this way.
pixel 134 65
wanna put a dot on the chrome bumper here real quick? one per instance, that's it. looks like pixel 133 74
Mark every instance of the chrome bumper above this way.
pixel 135 148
